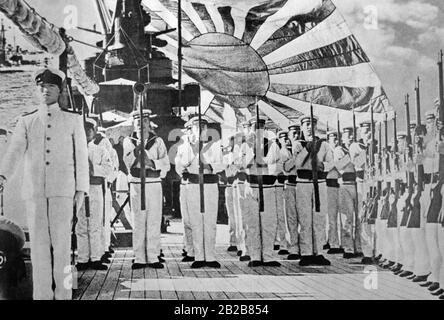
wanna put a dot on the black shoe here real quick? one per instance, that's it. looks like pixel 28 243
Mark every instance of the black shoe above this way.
pixel 107 255
pixel 335 251
pixel 438 293
pixel 306 261
pixel 271 264
pixel 321 261
pixel 397 273
pixel 283 252
pixel 388 265
pixel 161 255
pixel 188 259
pixel 413 276
pixel 98 265
pixel 111 250
pixel 161 260
pixel 232 249
pixel 245 258
pixel 239 253
pixel 441 297
pixel 155 265
pixel 82 266
pixel 276 247
pixel 184 253
pixel 359 254
pixel 105 260
pixel 213 264
pixel 426 284
pixel 367 261
pixel 294 256
pixel 198 264
pixel 406 274
pixel 255 263
pixel 326 246
pixel 434 286
pixel 396 268
pixel 349 255
pixel 137 266
pixel 420 278
pixel 378 257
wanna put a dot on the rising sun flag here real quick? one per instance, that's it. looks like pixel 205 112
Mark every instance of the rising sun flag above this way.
pixel 283 54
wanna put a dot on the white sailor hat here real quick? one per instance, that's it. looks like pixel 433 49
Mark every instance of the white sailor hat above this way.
pixel 430 115
pixel 49 75
pixel 401 135
pixel 348 130
pixel 194 120
pixel 365 124
pixel 91 121
pixel 307 119
pixel 282 134
pixel 262 119
pixel 294 126
pixel 332 134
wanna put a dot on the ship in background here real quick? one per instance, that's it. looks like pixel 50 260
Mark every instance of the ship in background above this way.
pixel 130 54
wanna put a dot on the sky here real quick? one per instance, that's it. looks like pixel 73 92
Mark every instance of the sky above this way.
pixel 401 37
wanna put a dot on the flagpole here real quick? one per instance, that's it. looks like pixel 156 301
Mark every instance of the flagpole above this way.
pixel 179 53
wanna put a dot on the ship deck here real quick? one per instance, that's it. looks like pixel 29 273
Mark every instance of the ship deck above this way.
pixel 343 280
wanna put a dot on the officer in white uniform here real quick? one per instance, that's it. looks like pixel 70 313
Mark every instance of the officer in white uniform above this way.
pixel 90 225
pixel 313 224
pixel 203 225
pixel 146 234
pixel 53 144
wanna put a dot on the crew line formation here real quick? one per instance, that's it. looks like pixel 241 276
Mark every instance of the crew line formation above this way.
pixel 295 193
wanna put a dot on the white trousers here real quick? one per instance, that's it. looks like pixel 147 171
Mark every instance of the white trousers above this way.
pixel 260 248
pixel 435 257
pixel 50 222
pixel 229 204
pixel 239 196
pixel 122 185
pixel 203 225
pixel 333 201
pixel 408 248
pixel 146 233
pixel 422 261
pixel 89 230
pixel 281 231
pixel 106 230
pixel 312 223
pixel 185 212
pixel 441 250
pixel 292 218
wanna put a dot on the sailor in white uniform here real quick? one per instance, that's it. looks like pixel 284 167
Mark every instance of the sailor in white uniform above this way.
pixel 53 144
pixel 90 226
pixel 146 235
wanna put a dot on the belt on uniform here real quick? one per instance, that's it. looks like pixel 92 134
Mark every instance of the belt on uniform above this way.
pixel 207 178
pixel 281 179
pixel 136 173
pixel 360 174
pixel 333 183
pixel 349 177
pixel 266 180
pixel 431 178
pixel 308 175
pixel 96 181
pixel 292 179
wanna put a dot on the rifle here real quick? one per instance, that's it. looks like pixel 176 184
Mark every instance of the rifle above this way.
pixel 419 146
pixel 140 90
pixel 354 125
pixel 314 163
pixel 410 175
pixel 339 133
pixel 393 218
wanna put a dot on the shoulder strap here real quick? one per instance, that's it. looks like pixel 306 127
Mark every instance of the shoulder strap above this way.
pixel 29 113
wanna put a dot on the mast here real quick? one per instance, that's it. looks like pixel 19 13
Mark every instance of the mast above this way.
pixel 179 53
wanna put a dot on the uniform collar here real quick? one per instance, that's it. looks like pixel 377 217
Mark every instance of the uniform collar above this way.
pixel 45 111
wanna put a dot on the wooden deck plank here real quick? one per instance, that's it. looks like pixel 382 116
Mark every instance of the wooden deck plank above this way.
pixel 109 287
pixel 122 291
pixel 84 283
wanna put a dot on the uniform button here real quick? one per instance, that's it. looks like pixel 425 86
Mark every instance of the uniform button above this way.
pixel 49 114
pixel 47 163
pixel 49 126
pixel 47 151
pixel 48 138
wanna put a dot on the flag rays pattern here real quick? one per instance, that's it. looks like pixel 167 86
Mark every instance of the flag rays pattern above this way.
pixel 287 54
